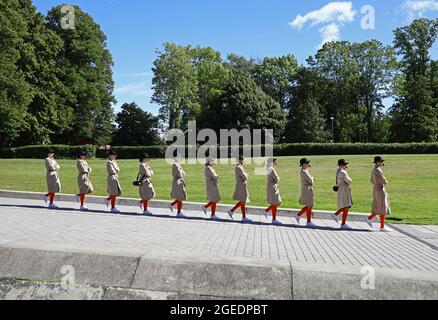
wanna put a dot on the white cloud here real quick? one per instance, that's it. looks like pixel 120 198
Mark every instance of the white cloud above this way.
pixel 139 89
pixel 332 16
pixel 341 12
pixel 329 33
pixel 417 8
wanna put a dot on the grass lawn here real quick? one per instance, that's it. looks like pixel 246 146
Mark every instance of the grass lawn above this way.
pixel 413 181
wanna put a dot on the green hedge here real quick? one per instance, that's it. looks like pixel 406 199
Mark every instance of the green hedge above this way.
pixel 298 149
pixel 38 152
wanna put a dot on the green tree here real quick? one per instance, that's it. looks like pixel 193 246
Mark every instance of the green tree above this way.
pixel 244 105
pixel 85 68
pixel 175 85
pixel 276 76
pixel 414 115
pixel 135 127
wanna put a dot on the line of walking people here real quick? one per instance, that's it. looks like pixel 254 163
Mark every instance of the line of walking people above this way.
pixel 343 187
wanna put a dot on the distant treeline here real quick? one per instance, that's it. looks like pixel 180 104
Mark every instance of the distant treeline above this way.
pixel 56 87
pixel 292 149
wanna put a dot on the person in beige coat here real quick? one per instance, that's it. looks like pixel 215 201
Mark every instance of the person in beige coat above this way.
pixel 380 206
pixel 179 192
pixel 307 198
pixel 345 199
pixel 241 192
pixel 52 178
pixel 146 188
pixel 272 190
pixel 84 182
pixel 114 188
pixel 212 189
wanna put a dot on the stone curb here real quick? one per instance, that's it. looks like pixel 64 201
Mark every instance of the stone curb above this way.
pixel 161 275
pixel 161 204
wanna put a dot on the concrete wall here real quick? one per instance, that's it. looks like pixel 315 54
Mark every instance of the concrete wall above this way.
pixel 36 271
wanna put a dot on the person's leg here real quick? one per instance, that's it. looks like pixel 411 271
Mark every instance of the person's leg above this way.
pixel 243 208
pixel 213 208
pixel 302 211
pixel 274 212
pixel 174 203
pixel 237 206
pixel 145 205
pixel 179 205
pixel 269 208
pixel 371 217
pixel 51 197
pixel 339 212
pixel 345 216
pixel 113 202
pixel 309 214
pixel 382 221
pixel 82 199
pixel 209 205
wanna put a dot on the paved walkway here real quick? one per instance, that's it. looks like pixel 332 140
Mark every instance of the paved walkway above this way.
pixel 27 220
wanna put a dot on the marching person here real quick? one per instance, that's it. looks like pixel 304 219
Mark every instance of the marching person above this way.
pixel 241 192
pixel 53 180
pixel 146 188
pixel 179 192
pixel 84 182
pixel 273 191
pixel 212 189
pixel 380 206
pixel 306 199
pixel 114 188
pixel 345 199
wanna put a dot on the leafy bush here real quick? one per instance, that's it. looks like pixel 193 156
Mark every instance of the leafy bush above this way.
pixel 39 152
pixel 294 149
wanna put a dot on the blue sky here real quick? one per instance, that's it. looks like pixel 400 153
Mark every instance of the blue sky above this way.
pixel 253 28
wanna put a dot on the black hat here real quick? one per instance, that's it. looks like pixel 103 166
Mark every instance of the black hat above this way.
pixel 241 157
pixel 378 159
pixel 82 153
pixel 343 162
pixel 112 153
pixel 50 151
pixel 304 161
pixel 144 156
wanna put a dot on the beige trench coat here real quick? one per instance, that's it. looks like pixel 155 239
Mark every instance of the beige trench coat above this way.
pixel 241 192
pixel 114 188
pixel 307 183
pixel 211 184
pixel 272 189
pixel 178 184
pixel 84 182
pixel 345 199
pixel 381 204
pixel 147 191
pixel 52 176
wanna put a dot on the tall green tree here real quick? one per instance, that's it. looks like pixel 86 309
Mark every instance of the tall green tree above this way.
pixel 244 105
pixel 85 68
pixel 175 85
pixel 414 114
pixel 276 76
pixel 136 127
pixel 15 92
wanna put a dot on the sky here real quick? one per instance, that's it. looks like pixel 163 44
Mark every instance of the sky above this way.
pixel 252 28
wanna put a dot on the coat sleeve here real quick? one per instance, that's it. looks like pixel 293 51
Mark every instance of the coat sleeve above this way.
pixel 310 180
pixel 50 165
pixel 82 167
pixel 381 178
pixel 243 175
pixel 110 168
pixel 274 176
pixel 176 173
pixel 213 175
pixel 343 176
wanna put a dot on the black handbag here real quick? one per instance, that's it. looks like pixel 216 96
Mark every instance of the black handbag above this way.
pixel 138 182
pixel 336 188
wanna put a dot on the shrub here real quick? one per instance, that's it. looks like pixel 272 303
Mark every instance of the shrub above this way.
pixel 39 152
